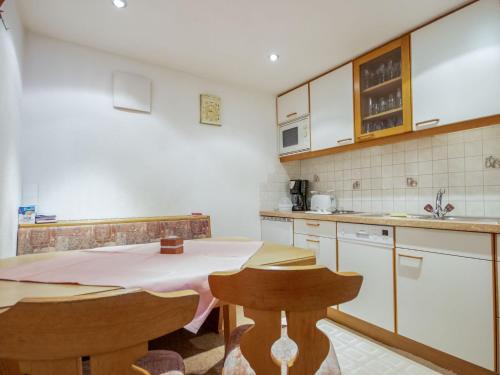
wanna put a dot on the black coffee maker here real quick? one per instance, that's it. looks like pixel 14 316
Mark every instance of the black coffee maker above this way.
pixel 298 194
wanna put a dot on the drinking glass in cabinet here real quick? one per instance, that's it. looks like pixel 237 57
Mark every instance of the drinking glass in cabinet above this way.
pixel 382 104
pixel 399 98
pixel 381 73
pixel 366 78
pixel 391 101
pixel 397 69
pixel 389 70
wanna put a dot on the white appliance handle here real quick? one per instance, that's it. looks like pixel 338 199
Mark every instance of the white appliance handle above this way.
pixel 365 242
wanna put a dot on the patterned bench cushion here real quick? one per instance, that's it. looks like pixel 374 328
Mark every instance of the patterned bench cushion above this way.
pixel 32 239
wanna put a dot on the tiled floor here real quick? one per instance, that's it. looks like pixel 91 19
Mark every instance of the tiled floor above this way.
pixel 360 356
pixel 203 353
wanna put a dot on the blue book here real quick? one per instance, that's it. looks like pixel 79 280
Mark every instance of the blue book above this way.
pixel 27 214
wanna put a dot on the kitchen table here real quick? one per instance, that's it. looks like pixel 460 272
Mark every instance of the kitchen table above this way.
pixel 13 291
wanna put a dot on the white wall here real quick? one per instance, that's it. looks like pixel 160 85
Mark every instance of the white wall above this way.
pixel 11 51
pixel 90 160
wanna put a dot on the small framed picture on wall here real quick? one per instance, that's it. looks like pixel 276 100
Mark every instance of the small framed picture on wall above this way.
pixel 210 110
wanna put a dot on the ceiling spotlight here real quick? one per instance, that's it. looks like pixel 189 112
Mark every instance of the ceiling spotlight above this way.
pixel 273 57
pixel 120 3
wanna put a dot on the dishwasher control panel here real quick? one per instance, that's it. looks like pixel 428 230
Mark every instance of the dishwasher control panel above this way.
pixel 363 232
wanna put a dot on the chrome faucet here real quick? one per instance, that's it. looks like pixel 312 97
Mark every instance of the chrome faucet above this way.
pixel 439 212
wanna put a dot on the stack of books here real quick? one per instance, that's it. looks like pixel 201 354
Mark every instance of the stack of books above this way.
pixel 45 219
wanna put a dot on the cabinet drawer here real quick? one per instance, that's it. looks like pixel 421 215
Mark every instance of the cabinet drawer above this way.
pixel 467 244
pixel 325 248
pixel 316 227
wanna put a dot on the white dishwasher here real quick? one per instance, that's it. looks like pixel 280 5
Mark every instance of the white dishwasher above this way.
pixel 277 230
pixel 369 251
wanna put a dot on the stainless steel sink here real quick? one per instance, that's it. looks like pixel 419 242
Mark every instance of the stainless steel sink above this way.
pixel 485 220
pixel 385 215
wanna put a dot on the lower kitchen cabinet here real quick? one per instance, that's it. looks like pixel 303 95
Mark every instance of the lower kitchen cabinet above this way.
pixel 324 247
pixel 445 299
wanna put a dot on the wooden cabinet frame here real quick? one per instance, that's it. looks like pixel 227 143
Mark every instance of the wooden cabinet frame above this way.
pixel 404 44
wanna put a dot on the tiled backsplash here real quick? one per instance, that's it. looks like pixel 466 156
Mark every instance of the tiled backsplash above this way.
pixel 455 162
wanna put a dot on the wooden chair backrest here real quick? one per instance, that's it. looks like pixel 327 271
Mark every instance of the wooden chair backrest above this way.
pixel 49 336
pixel 304 293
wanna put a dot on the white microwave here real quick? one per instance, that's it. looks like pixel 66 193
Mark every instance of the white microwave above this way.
pixel 294 136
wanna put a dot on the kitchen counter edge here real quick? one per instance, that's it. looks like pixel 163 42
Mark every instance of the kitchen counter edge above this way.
pixel 465 226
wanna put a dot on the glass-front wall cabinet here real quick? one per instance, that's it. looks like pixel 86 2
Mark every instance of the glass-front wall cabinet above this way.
pixel 382 91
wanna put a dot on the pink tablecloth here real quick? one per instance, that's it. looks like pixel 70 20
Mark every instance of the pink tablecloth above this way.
pixel 142 266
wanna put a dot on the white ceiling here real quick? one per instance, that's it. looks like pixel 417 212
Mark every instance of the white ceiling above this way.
pixel 230 40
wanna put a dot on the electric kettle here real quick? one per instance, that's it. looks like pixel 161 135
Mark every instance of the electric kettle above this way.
pixel 325 203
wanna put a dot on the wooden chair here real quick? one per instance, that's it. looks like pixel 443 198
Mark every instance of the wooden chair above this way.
pixel 50 336
pixel 303 293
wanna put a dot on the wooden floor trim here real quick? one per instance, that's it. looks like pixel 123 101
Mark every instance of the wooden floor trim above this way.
pixel 441 359
pixel 452 128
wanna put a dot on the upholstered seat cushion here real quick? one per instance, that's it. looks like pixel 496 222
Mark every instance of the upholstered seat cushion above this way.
pixel 284 349
pixel 162 362
pixel 156 362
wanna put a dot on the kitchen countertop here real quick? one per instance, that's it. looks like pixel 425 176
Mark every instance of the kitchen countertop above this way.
pixel 368 218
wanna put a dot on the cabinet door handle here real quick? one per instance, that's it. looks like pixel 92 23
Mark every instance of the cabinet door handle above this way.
pixel 433 121
pixel 362 233
pixel 344 140
pixel 313 241
pixel 313 224
pixel 291 114
pixel 410 256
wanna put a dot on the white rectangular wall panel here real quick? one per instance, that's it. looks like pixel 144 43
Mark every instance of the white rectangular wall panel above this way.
pixel 131 91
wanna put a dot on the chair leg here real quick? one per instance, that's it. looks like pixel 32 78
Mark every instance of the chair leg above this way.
pixel 229 312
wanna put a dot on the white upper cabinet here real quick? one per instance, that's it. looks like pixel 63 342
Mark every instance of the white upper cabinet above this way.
pixel 456 66
pixel 293 104
pixel 332 118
